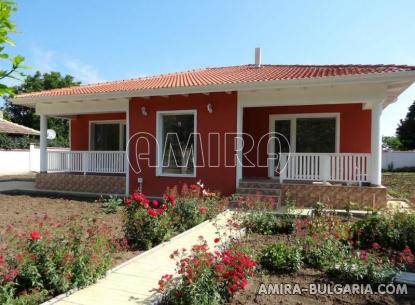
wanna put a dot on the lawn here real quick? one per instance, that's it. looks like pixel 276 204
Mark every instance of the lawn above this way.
pixel 400 185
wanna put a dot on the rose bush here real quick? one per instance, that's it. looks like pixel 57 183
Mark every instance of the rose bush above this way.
pixel 147 223
pixel 52 258
pixel 206 277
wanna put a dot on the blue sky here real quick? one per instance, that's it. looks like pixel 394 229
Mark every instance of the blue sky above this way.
pixel 106 40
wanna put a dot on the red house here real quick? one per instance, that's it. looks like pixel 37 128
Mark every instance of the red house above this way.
pixel 312 128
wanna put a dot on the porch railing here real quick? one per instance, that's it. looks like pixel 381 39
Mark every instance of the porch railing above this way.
pixel 106 162
pixel 337 167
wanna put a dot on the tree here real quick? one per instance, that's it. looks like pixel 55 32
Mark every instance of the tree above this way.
pixel 406 129
pixel 27 117
pixel 391 143
pixel 6 28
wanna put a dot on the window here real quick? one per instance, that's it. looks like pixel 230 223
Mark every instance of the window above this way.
pixel 176 143
pixel 107 136
pixel 316 135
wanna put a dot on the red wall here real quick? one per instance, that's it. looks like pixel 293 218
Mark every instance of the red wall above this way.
pixel 355 125
pixel 222 120
pixel 80 127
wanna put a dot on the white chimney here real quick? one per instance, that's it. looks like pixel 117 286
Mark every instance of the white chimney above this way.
pixel 257 57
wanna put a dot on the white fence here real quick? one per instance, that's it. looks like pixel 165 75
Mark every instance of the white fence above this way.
pixel 325 167
pixel 398 159
pixel 20 161
pixel 111 162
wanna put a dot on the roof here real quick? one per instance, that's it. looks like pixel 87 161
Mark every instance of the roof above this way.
pixel 13 128
pixel 223 76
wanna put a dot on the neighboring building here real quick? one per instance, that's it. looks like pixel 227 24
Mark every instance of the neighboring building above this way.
pixel 7 127
pixel 329 114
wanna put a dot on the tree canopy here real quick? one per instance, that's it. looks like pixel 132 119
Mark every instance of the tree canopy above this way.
pixel 406 129
pixel 26 116
pixel 15 62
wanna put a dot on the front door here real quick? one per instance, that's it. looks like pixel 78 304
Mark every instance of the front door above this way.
pixel 281 130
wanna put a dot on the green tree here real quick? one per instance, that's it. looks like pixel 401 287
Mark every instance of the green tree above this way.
pixel 391 143
pixel 27 117
pixel 16 62
pixel 406 129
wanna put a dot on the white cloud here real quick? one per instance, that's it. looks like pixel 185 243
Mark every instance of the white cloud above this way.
pixel 84 72
pixel 50 60
pixel 43 60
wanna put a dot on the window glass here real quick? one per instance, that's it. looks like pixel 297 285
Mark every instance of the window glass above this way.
pixel 316 135
pixel 177 144
pixel 105 136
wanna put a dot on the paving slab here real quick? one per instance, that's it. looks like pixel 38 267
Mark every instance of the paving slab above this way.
pixel 134 281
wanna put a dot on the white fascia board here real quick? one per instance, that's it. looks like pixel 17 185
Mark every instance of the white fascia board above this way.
pixel 259 85
pixel 82 107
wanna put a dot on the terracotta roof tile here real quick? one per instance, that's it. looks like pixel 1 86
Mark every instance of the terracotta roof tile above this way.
pixel 222 76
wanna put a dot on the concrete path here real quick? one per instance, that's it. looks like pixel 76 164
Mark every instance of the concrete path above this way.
pixel 133 281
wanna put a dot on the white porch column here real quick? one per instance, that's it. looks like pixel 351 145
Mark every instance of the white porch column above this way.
pixel 376 145
pixel 239 142
pixel 43 143
pixel 127 152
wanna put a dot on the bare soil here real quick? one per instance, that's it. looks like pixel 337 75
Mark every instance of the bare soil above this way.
pixel 20 211
pixel 304 278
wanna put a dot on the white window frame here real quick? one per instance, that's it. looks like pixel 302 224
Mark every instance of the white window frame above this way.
pixel 293 128
pixel 121 123
pixel 160 141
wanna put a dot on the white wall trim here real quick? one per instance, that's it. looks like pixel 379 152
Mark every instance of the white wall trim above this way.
pixel 160 141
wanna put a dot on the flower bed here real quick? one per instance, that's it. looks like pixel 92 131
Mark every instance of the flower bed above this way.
pixel 49 257
pixel 328 249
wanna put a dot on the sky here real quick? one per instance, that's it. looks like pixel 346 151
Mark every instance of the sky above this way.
pixel 97 40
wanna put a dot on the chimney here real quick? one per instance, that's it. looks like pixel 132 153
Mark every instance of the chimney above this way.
pixel 257 57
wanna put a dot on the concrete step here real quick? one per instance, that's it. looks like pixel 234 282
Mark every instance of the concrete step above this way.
pixel 257 184
pixel 260 191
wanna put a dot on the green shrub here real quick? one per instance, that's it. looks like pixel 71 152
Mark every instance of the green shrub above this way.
pixel 266 223
pixel 321 253
pixel 53 258
pixel 281 258
pixel 146 223
pixel 187 213
pixel 363 268
pixel 390 231
pixel 111 205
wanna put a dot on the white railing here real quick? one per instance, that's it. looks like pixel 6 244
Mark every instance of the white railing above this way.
pixel 108 162
pixel 347 167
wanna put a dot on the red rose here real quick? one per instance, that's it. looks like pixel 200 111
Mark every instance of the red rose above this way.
pixel 137 197
pixel 152 213
pixel 216 240
pixel 2 259
pixel 145 205
pixel 375 245
pixel 164 207
pixel 35 235
pixel 159 211
pixel 128 201
pixel 202 210
pixel 155 203
pixel 244 283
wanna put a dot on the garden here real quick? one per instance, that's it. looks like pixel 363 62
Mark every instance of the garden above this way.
pixel 297 251
pixel 49 246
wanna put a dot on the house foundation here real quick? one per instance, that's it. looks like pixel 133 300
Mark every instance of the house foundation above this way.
pixel 106 184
